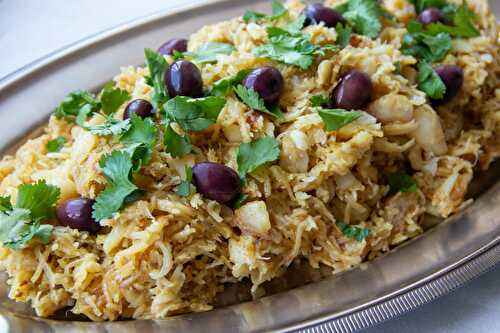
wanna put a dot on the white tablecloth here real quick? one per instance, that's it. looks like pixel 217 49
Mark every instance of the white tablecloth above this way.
pixel 30 29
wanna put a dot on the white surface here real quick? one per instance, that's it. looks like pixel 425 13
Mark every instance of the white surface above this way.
pixel 30 29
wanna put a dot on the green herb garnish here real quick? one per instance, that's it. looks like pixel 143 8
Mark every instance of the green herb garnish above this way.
pixel 252 99
pixel 175 144
pixel 157 65
pixel 278 11
pixel 289 48
pixel 423 45
pixel 224 86
pixel 400 182
pixel 185 188
pixel 117 168
pixel 256 153
pixel 72 104
pixel 319 100
pixel 208 52
pixel 430 82
pixel 54 146
pixel 363 15
pixel 140 140
pixel 353 232
pixel 20 225
pixel 337 118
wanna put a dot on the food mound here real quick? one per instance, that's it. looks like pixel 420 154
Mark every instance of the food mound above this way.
pixel 322 133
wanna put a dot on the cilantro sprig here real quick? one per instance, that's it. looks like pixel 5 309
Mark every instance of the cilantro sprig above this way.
pixel 157 65
pixel 292 48
pixel 353 232
pixel 430 82
pixel 185 188
pixel 140 140
pixel 117 168
pixel 256 153
pixel 363 15
pixel 21 224
pixel 74 101
pixel 463 25
pixel 224 86
pixel 423 45
pixel 319 100
pixel 191 114
pixel 79 105
pixel 277 8
pixel 252 99
pixel 208 52
pixel 401 182
pixel 337 118
pixel 54 146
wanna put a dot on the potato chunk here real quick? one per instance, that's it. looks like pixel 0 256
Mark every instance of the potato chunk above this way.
pixel 253 218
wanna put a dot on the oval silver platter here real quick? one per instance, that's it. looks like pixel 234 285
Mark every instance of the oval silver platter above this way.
pixel 417 272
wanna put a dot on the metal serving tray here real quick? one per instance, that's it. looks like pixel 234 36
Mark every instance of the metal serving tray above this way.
pixel 415 273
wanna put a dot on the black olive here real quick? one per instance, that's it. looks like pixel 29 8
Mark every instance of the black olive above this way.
pixel 183 78
pixel 267 82
pixel 177 44
pixel 431 15
pixel 77 214
pixel 317 13
pixel 216 181
pixel 140 107
pixel 453 78
pixel 353 92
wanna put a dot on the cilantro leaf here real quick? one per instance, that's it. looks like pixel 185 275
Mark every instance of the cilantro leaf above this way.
pixel 38 198
pixel 185 188
pixel 208 52
pixel 296 25
pixel 423 45
pixel 353 232
pixel 292 49
pixel 176 55
pixel 256 153
pixel 117 168
pixel 140 140
pixel 278 11
pixel 420 5
pixel 252 99
pixel 112 98
pixel 176 144
pixel 54 146
pixel 364 16
pixel 319 100
pixel 224 86
pixel 5 204
pixel 397 67
pixel 110 127
pixel 194 114
pixel 343 35
pixel 253 16
pixel 20 225
pixel 337 118
pixel 430 82
pixel 17 231
pixel 72 104
pixel 157 65
pixel 400 182
pixel 462 24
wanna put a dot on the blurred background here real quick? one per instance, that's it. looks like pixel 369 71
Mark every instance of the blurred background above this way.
pixel 31 29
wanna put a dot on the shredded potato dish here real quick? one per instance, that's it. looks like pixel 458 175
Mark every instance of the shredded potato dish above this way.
pixel 323 133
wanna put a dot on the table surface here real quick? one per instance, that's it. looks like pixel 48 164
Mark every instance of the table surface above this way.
pixel 30 29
